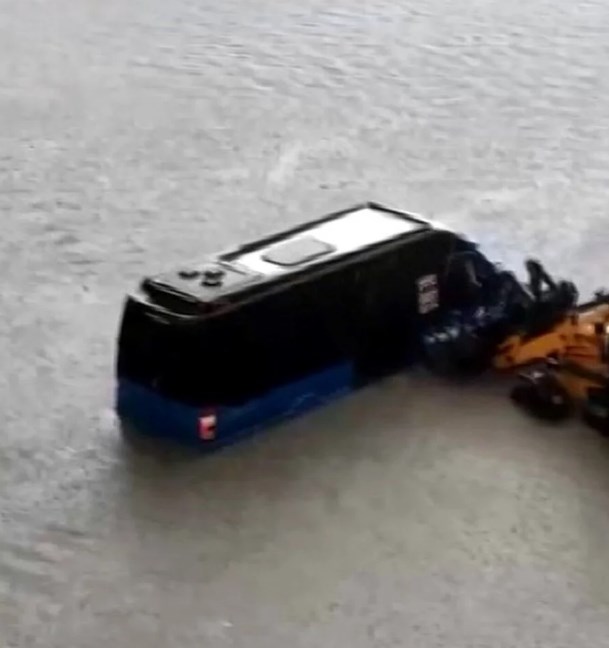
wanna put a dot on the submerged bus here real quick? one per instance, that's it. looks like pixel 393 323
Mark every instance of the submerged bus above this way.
pixel 262 332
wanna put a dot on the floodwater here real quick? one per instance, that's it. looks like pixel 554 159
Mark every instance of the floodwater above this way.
pixel 136 134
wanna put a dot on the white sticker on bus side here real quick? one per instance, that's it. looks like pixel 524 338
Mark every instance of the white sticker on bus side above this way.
pixel 428 293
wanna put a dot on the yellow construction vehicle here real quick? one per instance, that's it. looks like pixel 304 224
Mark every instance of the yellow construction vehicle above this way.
pixel 564 364
pixel 538 328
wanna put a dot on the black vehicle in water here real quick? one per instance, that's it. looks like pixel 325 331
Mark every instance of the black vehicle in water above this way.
pixel 268 330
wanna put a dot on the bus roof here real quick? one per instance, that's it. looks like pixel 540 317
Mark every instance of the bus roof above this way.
pixel 277 257
pixel 317 242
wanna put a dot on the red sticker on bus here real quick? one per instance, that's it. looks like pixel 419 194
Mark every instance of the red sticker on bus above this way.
pixel 207 427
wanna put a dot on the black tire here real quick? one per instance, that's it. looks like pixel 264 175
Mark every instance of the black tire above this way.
pixel 543 397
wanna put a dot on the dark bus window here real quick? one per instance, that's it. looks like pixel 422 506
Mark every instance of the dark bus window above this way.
pixel 285 336
pixel 194 370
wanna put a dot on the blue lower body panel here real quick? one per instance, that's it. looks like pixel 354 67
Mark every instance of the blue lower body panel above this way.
pixel 153 414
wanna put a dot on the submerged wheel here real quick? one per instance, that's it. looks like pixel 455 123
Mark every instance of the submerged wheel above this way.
pixel 542 396
pixel 453 351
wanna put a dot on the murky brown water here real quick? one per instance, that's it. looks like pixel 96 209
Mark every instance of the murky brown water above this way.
pixel 133 134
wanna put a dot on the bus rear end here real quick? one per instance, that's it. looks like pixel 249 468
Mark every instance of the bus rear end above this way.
pixel 155 391
pixel 211 380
